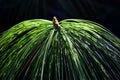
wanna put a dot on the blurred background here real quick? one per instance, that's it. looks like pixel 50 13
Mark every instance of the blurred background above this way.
pixel 105 12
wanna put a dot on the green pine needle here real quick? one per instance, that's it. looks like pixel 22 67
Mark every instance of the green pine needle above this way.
pixel 80 50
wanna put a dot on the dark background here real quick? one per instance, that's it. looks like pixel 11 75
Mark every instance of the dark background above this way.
pixel 105 12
